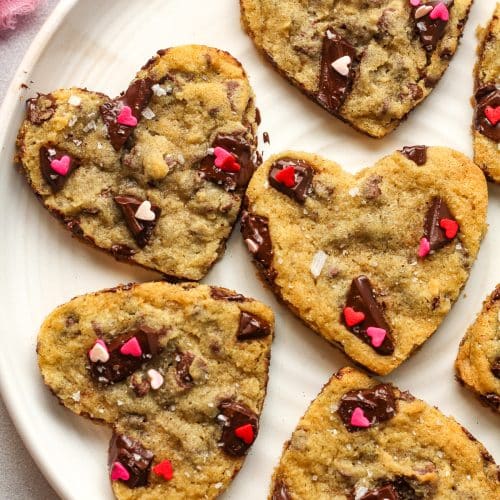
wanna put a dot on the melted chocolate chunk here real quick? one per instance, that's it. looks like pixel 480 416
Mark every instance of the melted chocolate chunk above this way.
pixel 361 299
pixel 133 456
pixel 55 180
pixel 238 146
pixel 41 108
pixel 120 366
pixel 487 96
pixel 182 375
pixel 384 493
pixel 378 405
pixel 137 97
pixel 280 491
pixel 303 178
pixel 141 230
pixel 252 327
pixel 334 87
pixel 219 293
pixel 235 415
pixel 417 154
pixel 432 230
pixel 495 368
pixel 431 30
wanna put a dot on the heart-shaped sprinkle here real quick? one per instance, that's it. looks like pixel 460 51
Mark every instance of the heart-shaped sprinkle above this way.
pixel 450 226
pixel 99 352
pixel 424 248
pixel 225 160
pixel 118 471
pixel 358 418
pixel 341 65
pixel 62 165
pixel 377 335
pixel 422 11
pixel 353 317
pixel 126 117
pixel 286 176
pixel 245 433
pixel 415 3
pixel 493 114
pixel 164 469
pixel 144 212
pixel 131 348
pixel 155 379
pixel 440 11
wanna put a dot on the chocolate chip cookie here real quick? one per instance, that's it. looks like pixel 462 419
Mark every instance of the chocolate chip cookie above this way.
pixel 179 372
pixel 486 128
pixel 478 361
pixel 156 176
pixel 365 440
pixel 374 261
pixel 367 62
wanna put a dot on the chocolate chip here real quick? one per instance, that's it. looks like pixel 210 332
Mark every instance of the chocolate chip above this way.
pixel 492 400
pixel 133 456
pixel 183 363
pixel 252 327
pixel 416 91
pixel 434 233
pixel 431 30
pixel 280 491
pixel 141 230
pixel 40 108
pixel 137 97
pixel 361 299
pixel 404 489
pixel 371 188
pixel 378 405
pixel 417 154
pixel 55 180
pixel 384 493
pixel 219 293
pixel 140 386
pixel 303 178
pixel 122 251
pixel 258 118
pixel 495 368
pixel 487 96
pixel 334 87
pixel 266 138
pixel 235 415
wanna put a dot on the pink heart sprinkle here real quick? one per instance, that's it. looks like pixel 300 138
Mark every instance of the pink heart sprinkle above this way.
pixel 377 335
pixel 118 471
pixel 62 165
pixel 131 348
pixel 358 418
pixel 440 11
pixel 126 117
pixel 415 3
pixel 424 248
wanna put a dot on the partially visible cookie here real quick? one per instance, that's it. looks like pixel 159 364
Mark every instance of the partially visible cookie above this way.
pixel 478 361
pixel 179 372
pixel 486 127
pixel 364 440
pixel 369 63
pixel 156 176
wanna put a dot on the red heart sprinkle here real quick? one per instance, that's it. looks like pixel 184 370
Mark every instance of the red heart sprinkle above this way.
pixel 450 227
pixel 225 160
pixel 164 469
pixel 245 433
pixel 493 114
pixel 353 317
pixel 286 176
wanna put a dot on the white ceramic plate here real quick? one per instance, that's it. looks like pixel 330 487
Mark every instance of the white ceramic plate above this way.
pixel 100 45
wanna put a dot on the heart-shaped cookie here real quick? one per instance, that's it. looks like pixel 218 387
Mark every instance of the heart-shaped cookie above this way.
pixel 180 377
pixel 136 175
pixel 367 63
pixel 345 251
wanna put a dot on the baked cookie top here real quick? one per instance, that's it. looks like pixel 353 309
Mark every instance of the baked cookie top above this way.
pixel 368 63
pixel 179 372
pixel 364 440
pixel 486 127
pixel 478 361
pixel 374 261
pixel 155 176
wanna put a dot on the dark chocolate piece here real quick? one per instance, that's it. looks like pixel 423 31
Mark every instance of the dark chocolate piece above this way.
pixel 303 178
pixel 417 154
pixel 384 493
pixel 431 30
pixel 404 489
pixel 219 293
pixel 133 456
pixel 334 87
pixel 41 108
pixel 238 146
pixel 487 96
pixel 378 405
pixel 183 363
pixel 434 233
pixel 495 368
pixel 52 178
pixel 252 327
pixel 141 230
pixel 361 299
pixel 122 252
pixel 235 415
pixel 120 366
pixel 137 97
pixel 266 138
pixel 280 491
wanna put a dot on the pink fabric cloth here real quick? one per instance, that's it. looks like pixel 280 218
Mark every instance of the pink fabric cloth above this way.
pixel 10 9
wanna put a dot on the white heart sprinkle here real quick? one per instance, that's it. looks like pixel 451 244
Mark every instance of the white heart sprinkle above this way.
pixel 341 65
pixel 74 100
pixel 99 353
pixel 155 379
pixel 422 11
pixel 318 263
pixel 144 212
